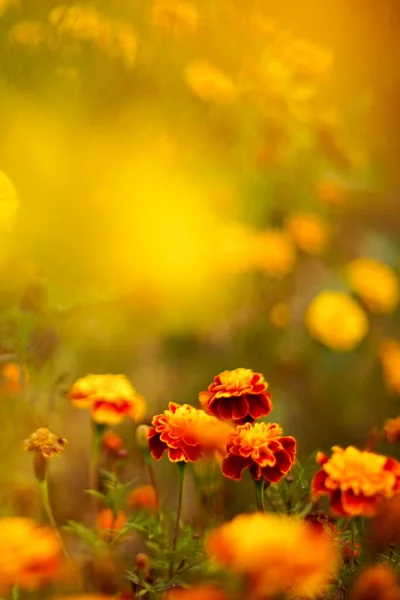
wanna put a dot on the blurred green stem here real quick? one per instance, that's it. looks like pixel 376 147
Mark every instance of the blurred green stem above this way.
pixel 153 481
pixel 97 436
pixel 181 476
pixel 15 592
pixel 260 483
pixel 353 527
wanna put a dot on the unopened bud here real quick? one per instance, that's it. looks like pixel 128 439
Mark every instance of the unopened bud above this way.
pixel 289 479
pixel 142 437
pixel 122 455
pixel 142 564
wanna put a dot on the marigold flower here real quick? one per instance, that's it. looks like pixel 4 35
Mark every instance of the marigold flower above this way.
pixel 274 253
pixel 46 443
pixel 337 321
pixel 28 34
pixel 265 548
pixel 375 283
pixel 306 60
pixel 309 231
pixel 143 498
pixel 239 395
pixel 112 442
pixel 109 523
pixel 175 16
pixel 376 582
pixel 330 191
pixel 13 378
pixel 200 592
pixel 209 84
pixel 110 397
pixel 31 555
pixel 389 354
pixel 262 449
pixel 186 433
pixel 356 481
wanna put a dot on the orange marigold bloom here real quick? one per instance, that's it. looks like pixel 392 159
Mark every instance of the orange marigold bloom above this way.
pixel 309 231
pixel 112 442
pixel 31 555
pixel 330 191
pixel 110 398
pixel 389 354
pixel 187 433
pixel 274 252
pixel 143 498
pixel 377 581
pixel 200 592
pixel 110 523
pixel 13 378
pixel 265 548
pixel 356 481
pixel 262 449
pixel 392 430
pixel 239 395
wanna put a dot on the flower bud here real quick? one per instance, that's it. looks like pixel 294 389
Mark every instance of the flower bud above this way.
pixel 142 437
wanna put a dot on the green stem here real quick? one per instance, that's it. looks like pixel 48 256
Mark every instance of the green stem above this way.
pixel 259 483
pixel 153 481
pixel 15 593
pixel 353 526
pixel 97 436
pixel 181 475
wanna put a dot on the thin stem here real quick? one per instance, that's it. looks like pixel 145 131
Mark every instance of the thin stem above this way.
pixel 44 491
pixel 97 436
pixel 353 525
pixel 15 593
pixel 181 476
pixel 259 483
pixel 153 482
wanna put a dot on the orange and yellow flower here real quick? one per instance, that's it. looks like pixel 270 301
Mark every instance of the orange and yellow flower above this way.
pixel 265 549
pixel 389 354
pixel 46 443
pixel 337 321
pixel 13 378
pixel 240 396
pixel 143 498
pixel 274 252
pixel 110 398
pixel 356 481
pixel 310 232
pixel 209 84
pixel 375 283
pixel 109 523
pixel 200 592
pixel 31 555
pixel 262 449
pixel 186 433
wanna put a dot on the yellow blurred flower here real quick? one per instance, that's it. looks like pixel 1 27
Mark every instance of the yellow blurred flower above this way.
pixel 279 315
pixel 389 354
pixel 309 231
pixel 336 320
pixel 28 34
pixel 125 42
pixel 9 204
pixel 375 283
pixel 13 378
pixel 175 16
pixel 31 554
pixel 46 443
pixel 265 548
pixel 79 21
pixel 234 247
pixel 305 59
pixel 274 252
pixel 210 84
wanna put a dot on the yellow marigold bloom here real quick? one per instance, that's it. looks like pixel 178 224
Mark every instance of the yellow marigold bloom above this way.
pixel 31 554
pixel 392 430
pixel 279 315
pixel 265 548
pixel 389 354
pixel 336 320
pixel 175 16
pixel 28 34
pixel 306 60
pixel 13 378
pixel 274 252
pixel 210 84
pixel 309 231
pixel 378 582
pixel 375 283
pixel 46 443
pixel 110 398
pixel 356 481
pixel 234 248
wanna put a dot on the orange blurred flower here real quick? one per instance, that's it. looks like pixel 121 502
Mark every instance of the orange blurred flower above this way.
pixel 31 554
pixel 277 553
pixel 175 16
pixel 392 430
pixel 112 442
pixel 262 449
pixel 209 84
pixel 336 320
pixel 376 582
pixel 330 191
pixel 389 354
pixel 187 433
pixel 13 378
pixel 274 252
pixel 109 523
pixel 143 498
pixel 110 398
pixel 375 283
pixel 309 231
pixel 356 481
pixel 239 395
pixel 200 592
